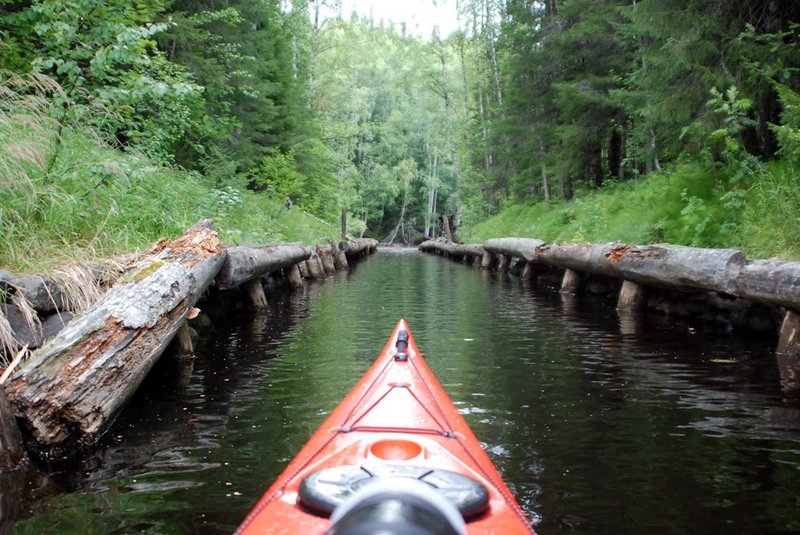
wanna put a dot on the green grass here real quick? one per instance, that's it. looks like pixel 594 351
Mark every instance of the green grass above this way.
pixel 89 201
pixel 686 205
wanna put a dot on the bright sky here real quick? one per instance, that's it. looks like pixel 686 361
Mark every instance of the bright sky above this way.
pixel 420 16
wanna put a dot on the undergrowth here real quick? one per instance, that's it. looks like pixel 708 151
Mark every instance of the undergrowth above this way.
pixel 686 205
pixel 66 196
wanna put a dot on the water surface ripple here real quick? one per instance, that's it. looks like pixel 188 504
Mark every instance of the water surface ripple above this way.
pixel 600 425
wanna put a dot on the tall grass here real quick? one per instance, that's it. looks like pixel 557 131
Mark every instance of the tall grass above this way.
pixel 67 197
pixel 686 205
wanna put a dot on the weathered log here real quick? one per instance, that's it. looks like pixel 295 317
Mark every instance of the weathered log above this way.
pixel 772 282
pixel 247 262
pixel 524 248
pixel 679 267
pixel 358 247
pixel 453 250
pixel 589 258
pixel 72 388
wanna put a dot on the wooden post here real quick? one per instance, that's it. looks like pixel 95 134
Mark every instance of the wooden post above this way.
pixel 571 282
pixel 295 279
pixel 477 261
pixel 527 271
pixel 185 340
pixel 488 260
pixel 258 299
pixel 789 366
pixel 303 267
pixel 12 452
pixel 789 341
pixel 319 269
pixel 632 296
pixel 339 258
pixel 502 263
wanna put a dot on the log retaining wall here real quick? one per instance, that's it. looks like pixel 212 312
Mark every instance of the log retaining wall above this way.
pixel 720 284
pixel 80 375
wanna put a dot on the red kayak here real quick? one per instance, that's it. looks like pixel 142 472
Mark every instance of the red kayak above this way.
pixel 394 457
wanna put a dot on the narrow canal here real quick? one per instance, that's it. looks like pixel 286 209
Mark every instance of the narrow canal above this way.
pixel 598 425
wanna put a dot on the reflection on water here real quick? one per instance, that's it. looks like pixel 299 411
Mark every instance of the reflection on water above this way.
pixel 600 424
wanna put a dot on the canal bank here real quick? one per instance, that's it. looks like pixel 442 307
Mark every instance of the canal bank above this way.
pixel 67 394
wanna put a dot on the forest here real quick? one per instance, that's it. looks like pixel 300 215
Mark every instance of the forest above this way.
pixel 571 120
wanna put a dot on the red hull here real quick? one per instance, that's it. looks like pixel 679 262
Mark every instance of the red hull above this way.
pixel 397 413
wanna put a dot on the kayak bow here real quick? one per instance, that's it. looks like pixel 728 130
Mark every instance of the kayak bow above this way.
pixel 395 452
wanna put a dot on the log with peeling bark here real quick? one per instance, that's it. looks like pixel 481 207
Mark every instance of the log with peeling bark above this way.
pixel 247 262
pixel 679 267
pixel 72 388
pixel 523 248
pixel 589 257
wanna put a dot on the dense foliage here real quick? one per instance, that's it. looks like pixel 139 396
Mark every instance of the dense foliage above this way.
pixel 120 122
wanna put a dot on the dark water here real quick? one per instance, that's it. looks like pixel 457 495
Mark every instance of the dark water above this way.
pixel 599 425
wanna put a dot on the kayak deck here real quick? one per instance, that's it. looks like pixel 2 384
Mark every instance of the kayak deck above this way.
pixel 396 422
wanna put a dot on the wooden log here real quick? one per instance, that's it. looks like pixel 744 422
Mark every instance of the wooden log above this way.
pixel 632 297
pixel 295 279
pixel 524 248
pixel 571 282
pixel 589 258
pixel 488 260
pixel 772 282
pixel 12 449
pixel 680 268
pixel 72 388
pixel 359 247
pixel 247 262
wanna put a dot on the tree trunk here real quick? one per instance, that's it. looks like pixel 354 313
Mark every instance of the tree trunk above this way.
pixel 615 153
pixel 72 388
